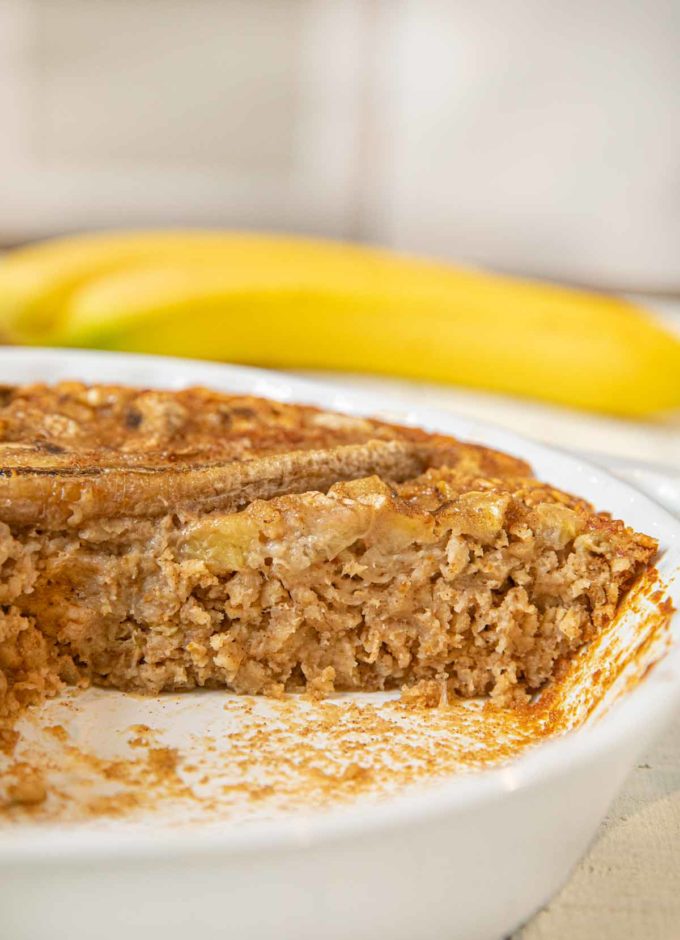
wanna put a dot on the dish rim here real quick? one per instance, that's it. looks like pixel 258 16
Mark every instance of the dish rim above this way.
pixel 651 703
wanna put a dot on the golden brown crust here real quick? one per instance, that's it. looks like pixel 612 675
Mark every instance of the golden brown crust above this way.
pixel 229 541
pixel 72 452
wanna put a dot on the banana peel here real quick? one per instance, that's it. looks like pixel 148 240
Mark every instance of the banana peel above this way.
pixel 299 303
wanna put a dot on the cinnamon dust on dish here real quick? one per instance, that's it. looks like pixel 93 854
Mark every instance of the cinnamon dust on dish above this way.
pixel 308 755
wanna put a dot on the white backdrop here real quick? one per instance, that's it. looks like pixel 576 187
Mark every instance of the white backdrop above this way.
pixel 540 136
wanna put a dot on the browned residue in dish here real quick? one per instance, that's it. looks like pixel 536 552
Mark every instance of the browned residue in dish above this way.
pixel 617 660
pixel 140 782
pixel 303 755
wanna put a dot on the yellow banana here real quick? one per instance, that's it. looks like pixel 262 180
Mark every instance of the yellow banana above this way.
pixel 37 281
pixel 300 303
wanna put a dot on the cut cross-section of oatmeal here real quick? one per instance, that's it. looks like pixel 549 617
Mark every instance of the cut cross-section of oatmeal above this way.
pixel 157 541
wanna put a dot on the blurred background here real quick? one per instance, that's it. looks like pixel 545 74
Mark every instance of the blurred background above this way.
pixel 536 137
pixel 539 138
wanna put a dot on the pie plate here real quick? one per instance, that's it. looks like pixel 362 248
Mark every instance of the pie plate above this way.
pixel 355 817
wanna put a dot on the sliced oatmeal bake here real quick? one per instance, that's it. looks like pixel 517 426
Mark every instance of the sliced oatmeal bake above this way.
pixel 169 540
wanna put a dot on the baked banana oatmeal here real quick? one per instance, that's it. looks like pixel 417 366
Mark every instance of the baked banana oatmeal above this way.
pixel 157 541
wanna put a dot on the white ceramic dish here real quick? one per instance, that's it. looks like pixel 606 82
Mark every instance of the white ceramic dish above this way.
pixel 470 858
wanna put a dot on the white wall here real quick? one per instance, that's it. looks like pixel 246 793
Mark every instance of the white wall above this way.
pixel 540 134
pixel 235 112
pixel 535 135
